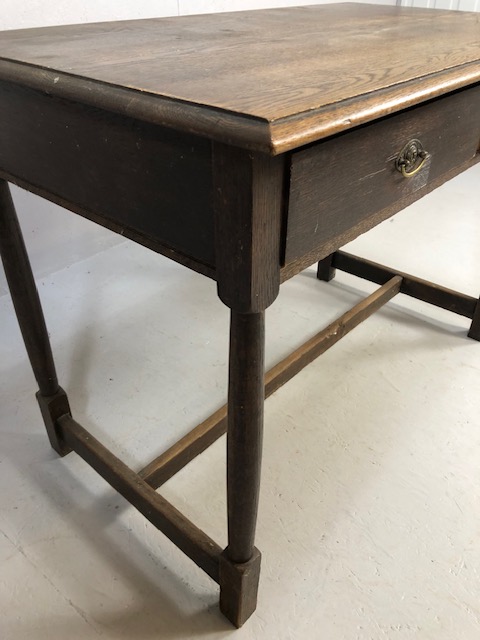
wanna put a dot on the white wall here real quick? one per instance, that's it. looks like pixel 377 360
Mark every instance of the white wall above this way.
pixel 456 5
pixel 56 239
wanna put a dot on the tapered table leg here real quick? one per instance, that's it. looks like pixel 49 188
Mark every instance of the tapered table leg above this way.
pixel 52 399
pixel 240 564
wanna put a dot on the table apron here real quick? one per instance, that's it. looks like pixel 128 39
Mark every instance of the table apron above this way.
pixel 145 181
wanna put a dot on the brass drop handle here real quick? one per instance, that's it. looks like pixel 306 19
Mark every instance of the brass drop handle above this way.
pixel 411 158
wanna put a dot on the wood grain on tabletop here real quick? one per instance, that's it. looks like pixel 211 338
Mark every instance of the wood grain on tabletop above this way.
pixel 268 65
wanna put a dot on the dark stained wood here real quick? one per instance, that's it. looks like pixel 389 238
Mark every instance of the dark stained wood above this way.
pixel 201 437
pixel 318 253
pixel 244 431
pixel 279 77
pixel 52 409
pixel 166 465
pixel 165 131
pixel 332 119
pixel 138 178
pixel 412 286
pixel 185 535
pixel 239 587
pixel 294 363
pixel 341 184
pixel 475 326
pixel 147 241
pixel 325 270
pixel 25 295
pixel 248 190
pixel 188 118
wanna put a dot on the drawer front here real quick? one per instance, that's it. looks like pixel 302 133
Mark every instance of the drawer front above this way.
pixel 344 186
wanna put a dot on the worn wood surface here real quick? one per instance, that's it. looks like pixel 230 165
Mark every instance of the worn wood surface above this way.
pixel 166 465
pixel 272 79
pixel 201 437
pixel 319 343
pixel 324 249
pixel 239 587
pixel 164 130
pixel 412 286
pixel 338 184
pixel 183 533
pixel 134 177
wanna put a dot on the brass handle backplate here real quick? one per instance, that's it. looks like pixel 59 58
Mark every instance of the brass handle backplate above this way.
pixel 411 158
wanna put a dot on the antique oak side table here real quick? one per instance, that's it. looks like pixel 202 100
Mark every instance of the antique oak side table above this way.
pixel 246 146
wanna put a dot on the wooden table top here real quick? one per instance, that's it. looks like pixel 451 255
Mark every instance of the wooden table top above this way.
pixel 270 80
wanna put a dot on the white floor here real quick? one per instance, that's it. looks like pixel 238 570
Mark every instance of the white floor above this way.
pixel 369 519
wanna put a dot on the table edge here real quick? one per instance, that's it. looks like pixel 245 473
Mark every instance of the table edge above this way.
pixel 242 130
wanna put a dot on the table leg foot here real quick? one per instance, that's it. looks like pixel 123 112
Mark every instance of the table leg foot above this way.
pixel 52 408
pixel 326 271
pixel 475 326
pixel 239 587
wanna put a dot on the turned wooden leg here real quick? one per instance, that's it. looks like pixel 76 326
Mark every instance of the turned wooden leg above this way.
pixel 52 399
pixel 475 326
pixel 326 270
pixel 240 563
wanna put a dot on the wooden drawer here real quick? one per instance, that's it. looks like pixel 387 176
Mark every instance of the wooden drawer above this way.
pixel 345 185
